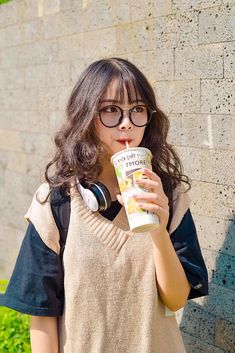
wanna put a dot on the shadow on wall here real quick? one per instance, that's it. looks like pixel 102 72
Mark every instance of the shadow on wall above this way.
pixel 210 327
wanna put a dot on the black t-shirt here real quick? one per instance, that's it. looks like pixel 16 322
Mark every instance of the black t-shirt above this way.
pixel 36 286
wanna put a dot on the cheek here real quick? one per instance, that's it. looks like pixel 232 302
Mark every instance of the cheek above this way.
pixel 98 128
pixel 102 132
pixel 142 134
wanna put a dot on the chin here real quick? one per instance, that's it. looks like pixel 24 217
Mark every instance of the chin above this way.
pixel 120 148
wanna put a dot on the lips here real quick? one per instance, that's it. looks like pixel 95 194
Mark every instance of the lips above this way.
pixel 123 141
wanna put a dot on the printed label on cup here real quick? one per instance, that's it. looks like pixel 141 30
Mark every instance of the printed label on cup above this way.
pixel 127 164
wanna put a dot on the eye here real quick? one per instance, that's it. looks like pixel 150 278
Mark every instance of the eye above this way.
pixel 139 109
pixel 110 109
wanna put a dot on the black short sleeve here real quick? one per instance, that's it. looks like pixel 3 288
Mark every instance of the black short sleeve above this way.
pixel 186 245
pixel 36 284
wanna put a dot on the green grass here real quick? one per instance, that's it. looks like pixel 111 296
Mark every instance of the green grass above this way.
pixel 4 1
pixel 3 284
pixel 14 329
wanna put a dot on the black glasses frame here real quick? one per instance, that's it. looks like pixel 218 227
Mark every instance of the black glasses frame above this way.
pixel 150 115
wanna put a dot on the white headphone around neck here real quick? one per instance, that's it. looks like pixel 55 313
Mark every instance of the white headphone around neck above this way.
pixel 95 195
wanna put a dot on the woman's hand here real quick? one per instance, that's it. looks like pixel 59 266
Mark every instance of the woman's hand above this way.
pixel 155 200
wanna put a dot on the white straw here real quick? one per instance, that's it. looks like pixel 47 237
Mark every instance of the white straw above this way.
pixel 127 144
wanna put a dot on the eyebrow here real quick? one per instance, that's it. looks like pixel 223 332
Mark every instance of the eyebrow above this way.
pixel 117 101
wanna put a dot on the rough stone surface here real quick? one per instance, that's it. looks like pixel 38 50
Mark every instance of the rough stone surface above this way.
pixel 10 140
pixel 216 166
pixel 213 200
pixel 191 160
pixel 175 131
pixel 224 275
pixel 217 96
pixel 216 234
pixel 157 64
pixel 220 302
pixel 12 78
pixel 225 335
pixel 180 29
pixel 179 96
pixel 8 15
pixel 229 59
pixel 190 5
pixel 149 9
pixel 217 24
pixel 194 345
pixel 14 120
pixel 198 323
pixel 213 132
pixel 204 61
pixel 186 48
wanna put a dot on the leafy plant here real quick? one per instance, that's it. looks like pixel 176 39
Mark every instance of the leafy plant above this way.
pixel 3 285
pixel 14 329
pixel 4 1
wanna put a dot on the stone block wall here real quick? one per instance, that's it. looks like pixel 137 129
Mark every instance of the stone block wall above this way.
pixel 186 48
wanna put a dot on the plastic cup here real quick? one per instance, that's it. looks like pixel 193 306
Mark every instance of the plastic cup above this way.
pixel 127 164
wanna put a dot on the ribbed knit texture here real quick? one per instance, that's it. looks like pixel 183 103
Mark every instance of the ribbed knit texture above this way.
pixel 112 303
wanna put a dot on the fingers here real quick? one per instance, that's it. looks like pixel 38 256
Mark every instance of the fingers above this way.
pixel 161 212
pixel 156 193
pixel 148 184
pixel 154 201
pixel 152 198
pixel 153 182
pixel 153 208
pixel 152 176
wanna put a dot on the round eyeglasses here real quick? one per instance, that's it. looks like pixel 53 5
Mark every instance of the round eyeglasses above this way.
pixel 112 115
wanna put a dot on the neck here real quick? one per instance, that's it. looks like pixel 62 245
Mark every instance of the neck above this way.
pixel 109 179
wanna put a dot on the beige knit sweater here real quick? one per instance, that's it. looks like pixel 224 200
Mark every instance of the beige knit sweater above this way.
pixel 111 298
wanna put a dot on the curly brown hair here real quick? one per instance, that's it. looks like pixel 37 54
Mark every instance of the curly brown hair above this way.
pixel 79 151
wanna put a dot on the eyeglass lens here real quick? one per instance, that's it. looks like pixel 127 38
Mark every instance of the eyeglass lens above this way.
pixel 111 115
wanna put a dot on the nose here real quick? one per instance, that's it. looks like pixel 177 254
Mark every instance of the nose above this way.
pixel 126 124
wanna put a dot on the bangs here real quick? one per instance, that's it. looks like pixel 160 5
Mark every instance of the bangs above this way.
pixel 124 83
pixel 129 85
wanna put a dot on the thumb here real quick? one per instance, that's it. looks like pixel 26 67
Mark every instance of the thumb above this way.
pixel 120 199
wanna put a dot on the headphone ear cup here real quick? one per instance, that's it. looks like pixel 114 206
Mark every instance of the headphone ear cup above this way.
pixel 102 194
pixel 95 195
pixel 88 197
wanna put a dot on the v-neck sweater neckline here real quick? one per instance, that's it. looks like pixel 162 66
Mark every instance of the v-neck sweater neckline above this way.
pixel 114 234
